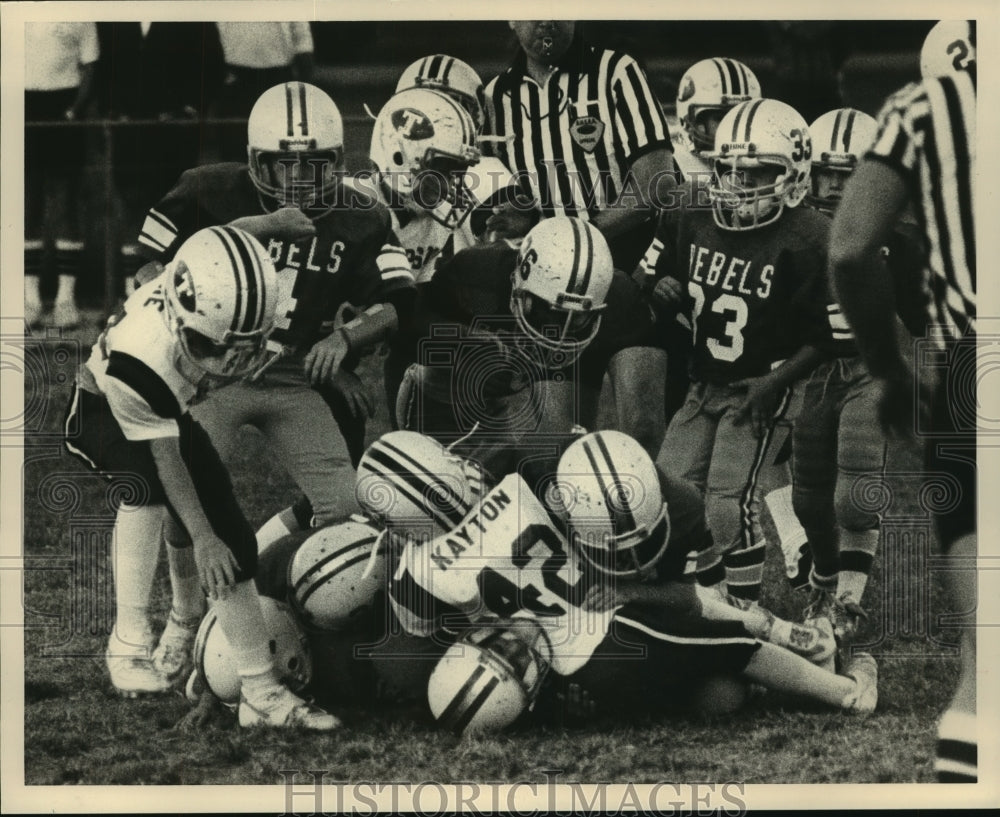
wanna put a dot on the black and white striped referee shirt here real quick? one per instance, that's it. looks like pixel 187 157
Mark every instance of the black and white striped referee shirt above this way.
pixel 927 133
pixel 574 137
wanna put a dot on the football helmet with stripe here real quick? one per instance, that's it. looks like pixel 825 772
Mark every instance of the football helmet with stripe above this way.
pixel 295 148
pixel 608 491
pixel 216 664
pixel 416 487
pixel 707 91
pixel 489 677
pixel 220 295
pixel 423 142
pixel 564 271
pixel 761 161
pixel 330 578
pixel 840 138
pixel 949 46
pixel 447 75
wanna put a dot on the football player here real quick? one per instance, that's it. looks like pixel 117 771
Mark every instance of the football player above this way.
pixel 203 322
pixel 705 93
pixel 738 267
pixel 517 342
pixel 508 556
pixel 837 438
pixel 345 253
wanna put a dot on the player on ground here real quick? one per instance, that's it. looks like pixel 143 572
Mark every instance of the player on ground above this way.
pixel 202 322
pixel 345 252
pixel 925 152
pixel 738 268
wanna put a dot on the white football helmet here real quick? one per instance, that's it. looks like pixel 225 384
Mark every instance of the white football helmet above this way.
pixel 447 75
pixel 215 663
pixel 840 138
pixel 331 577
pixel 423 142
pixel 564 272
pixel 221 292
pixel 416 487
pixel 949 46
pixel 762 160
pixel 608 491
pixel 707 90
pixel 489 677
pixel 295 147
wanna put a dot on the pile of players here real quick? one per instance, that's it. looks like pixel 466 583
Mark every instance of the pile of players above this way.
pixel 501 542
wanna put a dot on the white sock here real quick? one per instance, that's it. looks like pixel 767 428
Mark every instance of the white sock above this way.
pixel 275 528
pixel 67 289
pixel 790 531
pixel 31 291
pixel 188 598
pixel 136 552
pixel 242 623
pixel 857 553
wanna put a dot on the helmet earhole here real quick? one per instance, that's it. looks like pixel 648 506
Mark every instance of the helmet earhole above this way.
pixel 397 158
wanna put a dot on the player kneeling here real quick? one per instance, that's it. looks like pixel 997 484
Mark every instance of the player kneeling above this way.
pixel 201 323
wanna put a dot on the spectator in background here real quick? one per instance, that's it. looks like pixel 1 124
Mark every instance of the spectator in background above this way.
pixel 164 71
pixel 258 56
pixel 59 67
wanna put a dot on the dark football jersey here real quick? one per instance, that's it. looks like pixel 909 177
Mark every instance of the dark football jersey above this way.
pixel 353 258
pixel 744 288
pixel 472 292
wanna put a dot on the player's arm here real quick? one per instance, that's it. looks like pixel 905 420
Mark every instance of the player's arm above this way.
pixel 874 197
pixel 285 224
pixel 215 561
pixel 649 173
pixel 763 392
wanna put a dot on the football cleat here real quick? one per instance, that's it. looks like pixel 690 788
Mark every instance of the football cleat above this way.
pixel 172 657
pixel 282 707
pixel 132 671
pixel 813 640
pixel 863 669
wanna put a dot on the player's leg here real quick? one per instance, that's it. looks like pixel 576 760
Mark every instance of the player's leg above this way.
pixel 65 174
pixel 637 375
pixel 686 453
pixel 814 466
pixel 732 494
pixel 264 700
pixel 309 445
pixel 861 453
pixel 35 158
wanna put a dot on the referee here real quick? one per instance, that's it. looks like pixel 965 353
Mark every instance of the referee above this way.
pixel 582 127
pixel 926 147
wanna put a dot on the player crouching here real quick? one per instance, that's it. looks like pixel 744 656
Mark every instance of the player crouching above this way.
pixel 201 323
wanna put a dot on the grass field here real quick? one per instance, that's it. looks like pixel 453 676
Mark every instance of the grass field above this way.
pixel 78 731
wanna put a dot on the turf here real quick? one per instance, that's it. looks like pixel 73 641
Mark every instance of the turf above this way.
pixel 78 731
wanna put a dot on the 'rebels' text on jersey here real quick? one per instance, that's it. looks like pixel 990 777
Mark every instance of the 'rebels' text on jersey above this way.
pixel 354 256
pixel 743 288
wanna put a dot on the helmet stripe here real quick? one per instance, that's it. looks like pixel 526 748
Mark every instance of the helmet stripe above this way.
pixel 616 503
pixel 459 503
pixel 448 716
pixel 289 115
pixel 305 109
pixel 722 75
pixel 321 564
pixel 446 69
pixel 435 70
pixel 251 278
pixel 422 71
pixel 742 109
pixel 743 76
pixel 734 77
pixel 835 137
pixel 475 705
pixel 751 113
pixel 588 251
pixel 316 585
pixel 234 265
pixel 849 129
pixel 411 484
pixel 571 286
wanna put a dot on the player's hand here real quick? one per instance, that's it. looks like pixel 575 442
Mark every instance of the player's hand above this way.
pixel 508 220
pixel 600 597
pixel 352 387
pixel 285 224
pixel 324 359
pixel 668 291
pixel 759 405
pixel 216 565
pixel 204 713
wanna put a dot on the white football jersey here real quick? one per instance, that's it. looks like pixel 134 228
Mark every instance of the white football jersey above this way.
pixel 134 365
pixel 504 558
